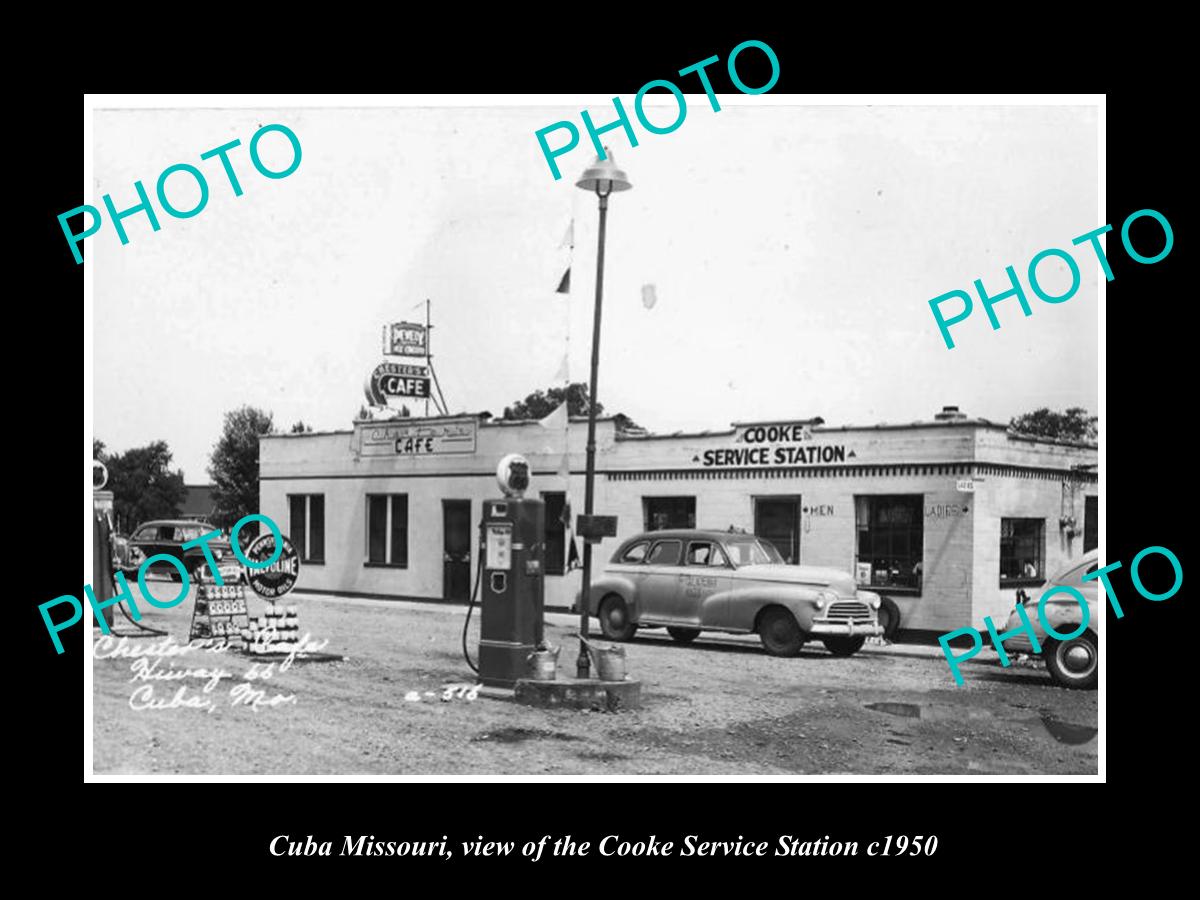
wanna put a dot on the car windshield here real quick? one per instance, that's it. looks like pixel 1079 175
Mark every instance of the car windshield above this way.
pixel 752 552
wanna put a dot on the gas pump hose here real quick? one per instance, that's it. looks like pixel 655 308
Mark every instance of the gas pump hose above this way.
pixel 467 621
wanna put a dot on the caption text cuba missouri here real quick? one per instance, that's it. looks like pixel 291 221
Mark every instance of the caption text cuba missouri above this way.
pixel 125 594
pixel 611 845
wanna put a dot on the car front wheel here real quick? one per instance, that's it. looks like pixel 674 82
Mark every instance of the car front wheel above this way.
pixel 614 619
pixel 844 646
pixel 780 633
pixel 1074 663
pixel 683 635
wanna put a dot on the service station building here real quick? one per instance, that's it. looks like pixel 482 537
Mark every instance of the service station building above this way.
pixel 947 517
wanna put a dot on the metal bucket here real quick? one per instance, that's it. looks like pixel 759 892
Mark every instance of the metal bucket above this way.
pixel 543 664
pixel 610 661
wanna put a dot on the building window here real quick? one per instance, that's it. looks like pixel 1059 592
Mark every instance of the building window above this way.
pixel 555 533
pixel 890 541
pixel 307 532
pixel 1022 552
pixel 1091 517
pixel 387 530
pixel 669 512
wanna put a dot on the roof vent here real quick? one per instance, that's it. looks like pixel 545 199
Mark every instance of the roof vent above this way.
pixel 949 414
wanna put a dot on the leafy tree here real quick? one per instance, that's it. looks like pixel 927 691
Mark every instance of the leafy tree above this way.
pixel 540 404
pixel 143 485
pixel 301 428
pixel 1073 425
pixel 98 450
pixel 234 465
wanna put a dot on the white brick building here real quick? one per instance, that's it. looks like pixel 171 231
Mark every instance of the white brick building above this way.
pixel 946 517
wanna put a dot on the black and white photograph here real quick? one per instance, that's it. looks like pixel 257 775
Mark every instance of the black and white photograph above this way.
pixel 735 436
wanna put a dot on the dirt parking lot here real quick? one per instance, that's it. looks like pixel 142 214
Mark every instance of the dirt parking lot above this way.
pixel 720 706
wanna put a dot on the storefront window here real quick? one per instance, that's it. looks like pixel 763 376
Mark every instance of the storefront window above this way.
pixel 387 530
pixel 307 533
pixel 890 541
pixel 669 512
pixel 1022 552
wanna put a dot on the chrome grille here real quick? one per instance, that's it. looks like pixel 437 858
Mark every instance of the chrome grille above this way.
pixel 848 611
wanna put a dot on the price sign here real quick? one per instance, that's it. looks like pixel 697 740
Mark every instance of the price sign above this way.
pixel 220 611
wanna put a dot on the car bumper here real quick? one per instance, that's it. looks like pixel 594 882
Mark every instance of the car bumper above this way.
pixel 846 629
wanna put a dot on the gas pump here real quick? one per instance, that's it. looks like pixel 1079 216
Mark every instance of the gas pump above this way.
pixel 511 577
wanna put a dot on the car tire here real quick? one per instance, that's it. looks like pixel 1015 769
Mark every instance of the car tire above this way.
pixel 779 632
pixel 840 645
pixel 1075 663
pixel 683 635
pixel 614 619
pixel 889 618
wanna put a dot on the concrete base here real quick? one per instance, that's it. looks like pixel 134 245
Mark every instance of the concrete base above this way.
pixel 573 693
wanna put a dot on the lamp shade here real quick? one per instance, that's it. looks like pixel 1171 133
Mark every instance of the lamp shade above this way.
pixel 603 176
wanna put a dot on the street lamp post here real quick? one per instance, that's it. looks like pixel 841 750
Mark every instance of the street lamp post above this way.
pixel 603 177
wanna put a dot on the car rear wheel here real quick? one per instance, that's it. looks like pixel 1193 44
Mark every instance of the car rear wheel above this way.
pixel 683 635
pixel 779 632
pixel 844 646
pixel 614 619
pixel 1074 663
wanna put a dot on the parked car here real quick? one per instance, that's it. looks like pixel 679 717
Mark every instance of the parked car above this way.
pixel 168 536
pixel 690 581
pixel 1074 663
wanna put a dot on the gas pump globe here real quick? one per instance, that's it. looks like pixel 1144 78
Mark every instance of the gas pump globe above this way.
pixel 512 598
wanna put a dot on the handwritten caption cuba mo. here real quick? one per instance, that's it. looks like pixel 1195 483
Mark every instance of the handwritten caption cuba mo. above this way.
pixel 125 593
pixel 199 687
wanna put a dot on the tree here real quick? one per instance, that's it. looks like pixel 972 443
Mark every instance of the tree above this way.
pixel 143 485
pixel 540 404
pixel 234 464
pixel 301 428
pixel 1073 425
pixel 98 450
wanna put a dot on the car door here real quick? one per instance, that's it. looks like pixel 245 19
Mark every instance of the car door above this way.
pixel 660 581
pixel 705 572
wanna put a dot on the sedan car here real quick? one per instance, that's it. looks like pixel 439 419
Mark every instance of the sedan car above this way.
pixel 168 536
pixel 690 581
pixel 1074 663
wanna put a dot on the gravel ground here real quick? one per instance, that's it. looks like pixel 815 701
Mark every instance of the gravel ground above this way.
pixel 720 706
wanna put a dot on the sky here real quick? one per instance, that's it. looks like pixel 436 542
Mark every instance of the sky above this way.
pixel 793 252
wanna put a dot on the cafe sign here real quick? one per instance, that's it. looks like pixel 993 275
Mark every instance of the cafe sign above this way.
pixel 420 437
pixel 396 380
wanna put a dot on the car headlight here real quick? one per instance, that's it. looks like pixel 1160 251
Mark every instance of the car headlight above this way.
pixel 136 555
pixel 824 599
pixel 218 554
pixel 876 602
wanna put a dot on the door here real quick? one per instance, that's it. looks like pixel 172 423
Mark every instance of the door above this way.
pixel 658 593
pixel 1091 523
pixel 456 550
pixel 777 519
pixel 705 573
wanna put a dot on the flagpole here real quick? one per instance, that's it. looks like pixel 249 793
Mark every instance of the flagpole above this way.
pixel 428 350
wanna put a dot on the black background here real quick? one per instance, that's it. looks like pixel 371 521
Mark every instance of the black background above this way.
pixel 1015 833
